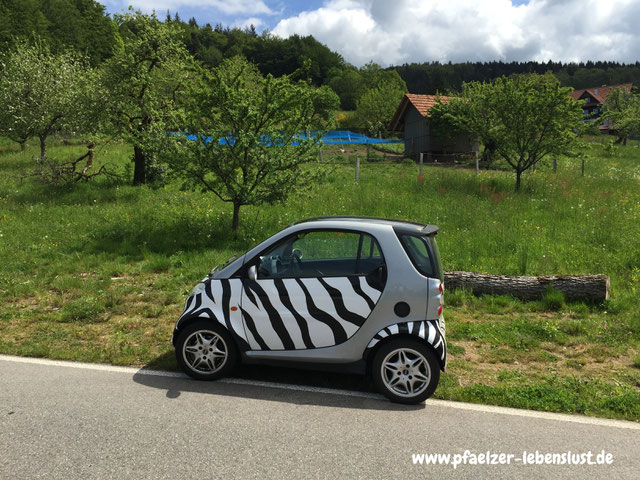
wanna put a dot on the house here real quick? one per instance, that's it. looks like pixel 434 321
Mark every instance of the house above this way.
pixel 412 118
pixel 595 97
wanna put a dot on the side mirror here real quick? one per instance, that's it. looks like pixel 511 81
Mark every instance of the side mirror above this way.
pixel 252 273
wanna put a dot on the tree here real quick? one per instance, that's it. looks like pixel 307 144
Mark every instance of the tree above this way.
pixel 526 117
pixel 376 107
pixel 81 25
pixel 622 111
pixel 42 93
pixel 21 19
pixel 349 85
pixel 145 81
pixel 373 75
pixel 248 148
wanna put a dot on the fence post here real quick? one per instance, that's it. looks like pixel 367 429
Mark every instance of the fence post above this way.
pixel 357 168
pixel 320 153
pixel 368 150
pixel 583 166
pixel 555 164
pixel 475 154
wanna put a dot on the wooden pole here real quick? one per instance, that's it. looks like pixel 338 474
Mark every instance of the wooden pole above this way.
pixel 368 150
pixel 357 168
pixel 555 164
pixel 477 164
pixel 421 163
pixel 320 154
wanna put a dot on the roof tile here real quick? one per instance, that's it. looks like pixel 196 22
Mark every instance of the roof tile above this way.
pixel 424 103
pixel 602 91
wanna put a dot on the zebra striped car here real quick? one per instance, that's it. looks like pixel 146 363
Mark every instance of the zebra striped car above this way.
pixel 354 294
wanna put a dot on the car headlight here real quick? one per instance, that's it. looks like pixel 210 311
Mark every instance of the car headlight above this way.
pixel 199 288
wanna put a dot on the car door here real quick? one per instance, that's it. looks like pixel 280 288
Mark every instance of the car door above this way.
pixel 314 289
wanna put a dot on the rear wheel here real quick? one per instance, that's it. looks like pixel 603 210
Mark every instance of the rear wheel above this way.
pixel 205 351
pixel 405 371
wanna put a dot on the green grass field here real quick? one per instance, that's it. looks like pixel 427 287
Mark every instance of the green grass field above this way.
pixel 99 272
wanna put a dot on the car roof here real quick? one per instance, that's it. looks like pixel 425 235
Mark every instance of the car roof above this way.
pixel 400 224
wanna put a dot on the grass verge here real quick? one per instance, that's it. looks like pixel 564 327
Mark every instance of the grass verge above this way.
pixel 98 272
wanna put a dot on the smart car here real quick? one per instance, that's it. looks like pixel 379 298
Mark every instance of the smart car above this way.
pixel 352 294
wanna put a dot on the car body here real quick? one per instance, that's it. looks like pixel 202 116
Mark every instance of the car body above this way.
pixel 352 294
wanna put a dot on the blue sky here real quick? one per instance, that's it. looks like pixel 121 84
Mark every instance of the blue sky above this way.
pixel 403 31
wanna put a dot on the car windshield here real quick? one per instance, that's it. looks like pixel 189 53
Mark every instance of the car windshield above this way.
pixel 221 266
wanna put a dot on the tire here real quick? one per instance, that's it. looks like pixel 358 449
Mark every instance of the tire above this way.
pixel 405 371
pixel 192 355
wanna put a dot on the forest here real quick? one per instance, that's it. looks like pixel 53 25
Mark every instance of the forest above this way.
pixel 84 26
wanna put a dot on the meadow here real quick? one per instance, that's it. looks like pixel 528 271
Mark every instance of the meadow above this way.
pixel 98 272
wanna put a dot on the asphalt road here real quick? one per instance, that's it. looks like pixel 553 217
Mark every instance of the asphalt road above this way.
pixel 79 421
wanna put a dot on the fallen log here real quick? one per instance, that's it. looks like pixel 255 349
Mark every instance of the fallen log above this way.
pixel 593 288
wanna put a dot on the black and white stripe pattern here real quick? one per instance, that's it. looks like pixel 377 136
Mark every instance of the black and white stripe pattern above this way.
pixel 286 314
pixel 303 313
pixel 426 329
pixel 215 302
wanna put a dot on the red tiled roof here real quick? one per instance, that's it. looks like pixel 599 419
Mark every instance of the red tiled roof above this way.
pixel 602 92
pixel 422 103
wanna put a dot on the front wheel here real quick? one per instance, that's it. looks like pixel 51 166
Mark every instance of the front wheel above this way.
pixel 205 351
pixel 405 371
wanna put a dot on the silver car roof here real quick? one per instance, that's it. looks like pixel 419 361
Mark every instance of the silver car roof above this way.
pixel 423 228
pixel 371 225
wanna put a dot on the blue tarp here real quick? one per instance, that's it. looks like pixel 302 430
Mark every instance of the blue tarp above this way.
pixel 332 137
pixel 345 137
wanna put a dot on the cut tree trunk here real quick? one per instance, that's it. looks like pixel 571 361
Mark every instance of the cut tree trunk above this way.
pixel 593 288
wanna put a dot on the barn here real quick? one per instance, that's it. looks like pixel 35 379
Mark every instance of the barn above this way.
pixel 412 118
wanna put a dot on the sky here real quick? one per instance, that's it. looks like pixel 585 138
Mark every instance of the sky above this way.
pixel 394 32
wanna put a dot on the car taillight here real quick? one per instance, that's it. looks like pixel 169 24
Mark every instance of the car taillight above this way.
pixel 441 288
pixel 440 310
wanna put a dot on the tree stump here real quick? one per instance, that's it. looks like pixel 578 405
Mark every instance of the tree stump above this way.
pixel 592 288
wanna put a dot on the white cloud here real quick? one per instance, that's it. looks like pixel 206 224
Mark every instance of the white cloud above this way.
pixel 229 7
pixel 399 31
pixel 247 22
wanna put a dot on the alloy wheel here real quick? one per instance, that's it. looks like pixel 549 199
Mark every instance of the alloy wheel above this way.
pixel 405 372
pixel 204 351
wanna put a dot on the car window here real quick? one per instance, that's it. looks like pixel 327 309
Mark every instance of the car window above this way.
pixel 370 248
pixel 416 248
pixel 328 245
pixel 322 253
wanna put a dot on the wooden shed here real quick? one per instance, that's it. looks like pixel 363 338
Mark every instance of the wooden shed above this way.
pixel 412 118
